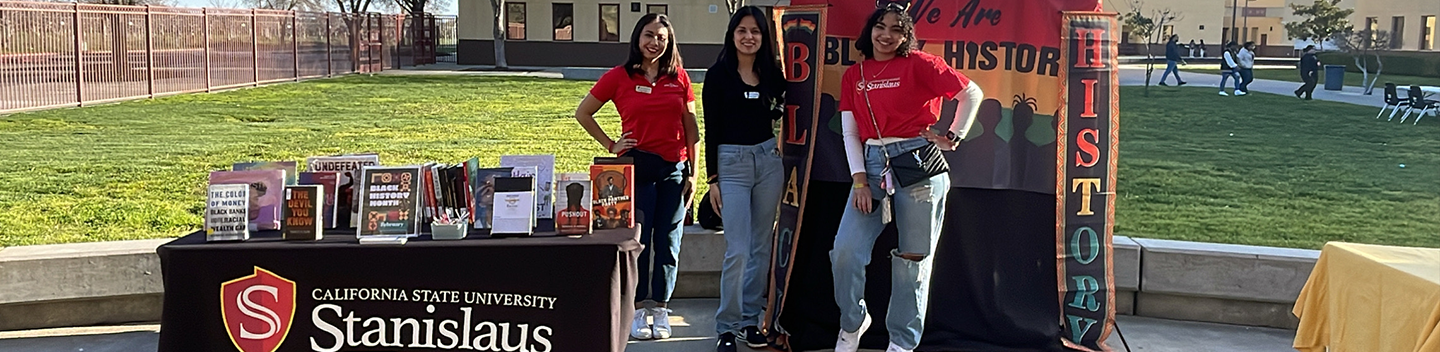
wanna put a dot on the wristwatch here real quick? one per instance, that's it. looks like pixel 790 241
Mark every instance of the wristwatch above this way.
pixel 953 138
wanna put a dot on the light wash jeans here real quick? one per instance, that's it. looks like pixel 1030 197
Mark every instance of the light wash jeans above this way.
pixel 751 183
pixel 1226 75
pixel 919 214
pixel 1169 69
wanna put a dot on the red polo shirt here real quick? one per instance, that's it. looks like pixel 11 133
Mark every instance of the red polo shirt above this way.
pixel 651 112
pixel 906 93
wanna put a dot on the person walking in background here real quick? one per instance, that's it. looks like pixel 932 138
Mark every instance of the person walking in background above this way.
pixel 1309 72
pixel 1229 69
pixel 888 103
pixel 1246 60
pixel 1172 58
pixel 1193 49
pixel 744 96
pixel 652 93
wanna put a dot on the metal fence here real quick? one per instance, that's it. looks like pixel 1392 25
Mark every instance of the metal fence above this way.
pixel 59 54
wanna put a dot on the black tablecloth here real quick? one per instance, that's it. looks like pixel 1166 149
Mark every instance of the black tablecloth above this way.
pixel 546 293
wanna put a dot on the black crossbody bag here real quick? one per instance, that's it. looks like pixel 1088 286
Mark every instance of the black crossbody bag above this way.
pixel 909 167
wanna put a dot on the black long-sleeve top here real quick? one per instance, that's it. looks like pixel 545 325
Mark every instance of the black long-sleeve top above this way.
pixel 738 113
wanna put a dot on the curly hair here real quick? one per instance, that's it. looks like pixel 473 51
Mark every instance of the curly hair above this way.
pixel 907 27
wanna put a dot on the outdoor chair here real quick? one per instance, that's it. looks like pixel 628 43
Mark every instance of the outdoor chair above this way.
pixel 1392 100
pixel 1418 101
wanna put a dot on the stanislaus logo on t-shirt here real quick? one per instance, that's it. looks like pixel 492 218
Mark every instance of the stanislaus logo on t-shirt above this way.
pixel 881 84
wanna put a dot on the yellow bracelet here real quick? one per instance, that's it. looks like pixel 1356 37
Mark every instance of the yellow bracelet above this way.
pixel 860 185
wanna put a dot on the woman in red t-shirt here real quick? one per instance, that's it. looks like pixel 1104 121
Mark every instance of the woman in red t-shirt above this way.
pixel 657 119
pixel 888 104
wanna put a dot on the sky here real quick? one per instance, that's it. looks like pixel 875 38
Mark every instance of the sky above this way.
pixel 452 9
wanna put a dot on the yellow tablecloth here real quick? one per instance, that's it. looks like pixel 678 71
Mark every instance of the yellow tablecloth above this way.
pixel 1368 298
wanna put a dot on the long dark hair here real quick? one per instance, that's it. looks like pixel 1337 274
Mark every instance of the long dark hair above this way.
pixel 907 28
pixel 669 60
pixel 767 60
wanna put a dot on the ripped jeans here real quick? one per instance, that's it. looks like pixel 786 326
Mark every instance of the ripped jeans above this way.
pixel 919 214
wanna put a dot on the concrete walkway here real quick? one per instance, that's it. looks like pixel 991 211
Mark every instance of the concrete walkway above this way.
pixel 1134 75
pixel 693 323
pixel 1130 75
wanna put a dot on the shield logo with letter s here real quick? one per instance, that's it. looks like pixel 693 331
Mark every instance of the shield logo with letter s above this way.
pixel 257 310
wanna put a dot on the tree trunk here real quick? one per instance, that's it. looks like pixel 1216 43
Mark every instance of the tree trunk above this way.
pixel 500 28
pixel 1149 67
pixel 1379 68
pixel 1364 73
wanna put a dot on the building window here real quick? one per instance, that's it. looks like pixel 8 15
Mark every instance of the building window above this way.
pixel 609 22
pixel 1397 32
pixel 515 20
pixel 1427 32
pixel 1254 34
pixel 1167 31
pixel 1372 24
pixel 563 17
pixel 660 9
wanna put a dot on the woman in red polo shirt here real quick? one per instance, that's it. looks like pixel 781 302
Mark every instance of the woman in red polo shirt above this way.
pixel 657 119
pixel 888 104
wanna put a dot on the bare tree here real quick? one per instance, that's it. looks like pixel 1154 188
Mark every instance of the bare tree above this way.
pixel 226 4
pixel 1362 45
pixel 500 29
pixel 291 5
pixel 1151 26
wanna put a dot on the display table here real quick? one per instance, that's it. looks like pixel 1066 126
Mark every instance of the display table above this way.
pixel 1371 298
pixel 545 293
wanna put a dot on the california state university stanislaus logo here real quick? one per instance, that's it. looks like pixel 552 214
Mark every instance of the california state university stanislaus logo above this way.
pixel 257 310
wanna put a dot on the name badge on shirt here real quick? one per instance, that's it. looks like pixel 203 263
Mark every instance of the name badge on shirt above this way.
pixel 643 89
pixel 752 95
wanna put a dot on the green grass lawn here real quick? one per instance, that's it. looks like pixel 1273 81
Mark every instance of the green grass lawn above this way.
pixel 1293 174
pixel 1293 75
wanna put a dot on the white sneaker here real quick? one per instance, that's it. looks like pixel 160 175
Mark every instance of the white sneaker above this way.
pixel 1240 93
pixel 896 348
pixel 662 322
pixel 850 341
pixel 1222 93
pixel 639 328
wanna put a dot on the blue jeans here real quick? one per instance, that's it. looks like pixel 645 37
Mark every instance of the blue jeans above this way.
pixel 658 188
pixel 751 183
pixel 1248 75
pixel 1170 68
pixel 1226 75
pixel 919 212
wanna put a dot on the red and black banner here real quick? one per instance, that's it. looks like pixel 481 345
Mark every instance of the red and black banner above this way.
pixel 801 30
pixel 1089 130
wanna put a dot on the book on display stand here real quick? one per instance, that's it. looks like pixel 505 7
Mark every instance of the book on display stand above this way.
pixel 390 204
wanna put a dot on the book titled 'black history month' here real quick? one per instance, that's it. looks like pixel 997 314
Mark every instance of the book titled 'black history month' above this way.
pixel 347 167
pixel 225 213
pixel 389 201
pixel 303 204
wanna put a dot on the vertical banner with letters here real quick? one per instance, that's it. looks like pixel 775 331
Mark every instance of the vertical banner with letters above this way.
pixel 1088 131
pixel 801 32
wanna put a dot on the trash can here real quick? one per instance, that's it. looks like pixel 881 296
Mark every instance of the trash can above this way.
pixel 1334 77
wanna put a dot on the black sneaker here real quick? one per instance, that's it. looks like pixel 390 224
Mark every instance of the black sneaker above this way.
pixel 726 343
pixel 754 338
pixel 1162 84
pixel 1182 83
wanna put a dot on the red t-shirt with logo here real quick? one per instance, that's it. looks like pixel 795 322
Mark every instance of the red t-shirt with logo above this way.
pixel 905 92
pixel 651 112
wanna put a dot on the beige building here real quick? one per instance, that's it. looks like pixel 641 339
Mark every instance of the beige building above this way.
pixel 1412 23
pixel 587 32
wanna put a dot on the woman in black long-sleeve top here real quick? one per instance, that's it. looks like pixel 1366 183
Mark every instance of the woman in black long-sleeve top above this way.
pixel 743 97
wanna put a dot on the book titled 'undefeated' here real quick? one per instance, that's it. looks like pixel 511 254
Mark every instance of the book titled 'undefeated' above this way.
pixel 389 201
pixel 225 213
pixel 303 213
pixel 514 206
